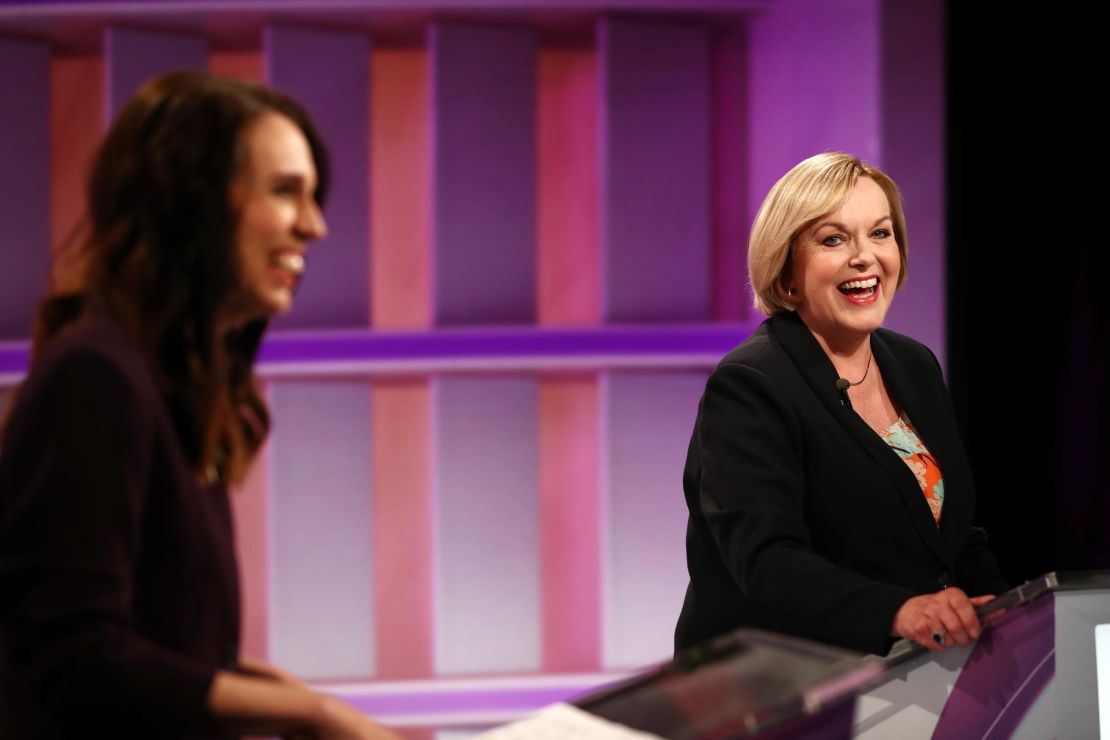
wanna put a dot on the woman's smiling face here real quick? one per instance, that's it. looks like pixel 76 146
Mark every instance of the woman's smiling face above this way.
pixel 274 198
pixel 845 267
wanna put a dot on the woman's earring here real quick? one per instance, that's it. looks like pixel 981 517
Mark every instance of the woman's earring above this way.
pixel 790 292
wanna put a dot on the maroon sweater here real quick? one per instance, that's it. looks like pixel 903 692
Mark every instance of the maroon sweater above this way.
pixel 118 582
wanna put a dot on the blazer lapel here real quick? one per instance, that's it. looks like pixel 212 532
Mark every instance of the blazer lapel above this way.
pixel 928 416
pixel 819 373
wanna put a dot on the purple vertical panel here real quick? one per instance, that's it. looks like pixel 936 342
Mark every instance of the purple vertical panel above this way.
pixel 483 107
pixel 25 190
pixel 814 86
pixel 486 486
pixel 655 143
pixel 913 154
pixel 646 430
pixel 732 297
pixel 329 74
pixel 321 595
pixel 132 57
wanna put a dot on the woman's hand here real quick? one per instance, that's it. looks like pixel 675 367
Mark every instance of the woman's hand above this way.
pixel 341 721
pixel 261 669
pixel 949 614
pixel 260 699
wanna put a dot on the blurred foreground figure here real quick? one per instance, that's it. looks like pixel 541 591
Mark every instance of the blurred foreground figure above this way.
pixel 119 600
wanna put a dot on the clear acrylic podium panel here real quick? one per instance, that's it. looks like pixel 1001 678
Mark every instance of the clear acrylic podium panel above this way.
pixel 745 684
pixel 1033 674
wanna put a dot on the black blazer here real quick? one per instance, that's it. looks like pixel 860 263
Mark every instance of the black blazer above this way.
pixel 802 520
pixel 118 584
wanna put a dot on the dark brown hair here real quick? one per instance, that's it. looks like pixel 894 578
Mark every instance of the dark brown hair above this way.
pixel 157 253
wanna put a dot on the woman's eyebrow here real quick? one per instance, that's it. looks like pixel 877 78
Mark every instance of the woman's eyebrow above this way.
pixel 842 227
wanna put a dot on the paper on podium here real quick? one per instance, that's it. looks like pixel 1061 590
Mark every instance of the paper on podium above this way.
pixel 564 722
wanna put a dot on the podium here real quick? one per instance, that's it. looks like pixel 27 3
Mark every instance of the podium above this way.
pixel 745 684
pixel 1037 671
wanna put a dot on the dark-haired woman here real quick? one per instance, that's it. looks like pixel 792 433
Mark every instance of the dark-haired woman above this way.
pixel 119 603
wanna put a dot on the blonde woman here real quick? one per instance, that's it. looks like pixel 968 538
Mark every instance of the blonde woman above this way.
pixel 829 493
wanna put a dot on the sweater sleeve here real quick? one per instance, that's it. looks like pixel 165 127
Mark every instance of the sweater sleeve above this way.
pixel 74 484
pixel 752 495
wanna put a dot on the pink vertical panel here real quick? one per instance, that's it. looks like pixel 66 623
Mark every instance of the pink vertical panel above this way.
pixel 402 541
pixel 731 296
pixel 250 503
pixel 569 258
pixel 239 65
pixel 76 124
pixel 569 293
pixel 400 257
pixel 400 292
pixel 570 524
pixel 250 507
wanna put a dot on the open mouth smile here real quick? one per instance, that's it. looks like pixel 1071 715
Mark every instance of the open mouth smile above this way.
pixel 861 291
pixel 290 262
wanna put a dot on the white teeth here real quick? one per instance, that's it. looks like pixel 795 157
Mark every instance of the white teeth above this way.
pixel 290 261
pixel 859 284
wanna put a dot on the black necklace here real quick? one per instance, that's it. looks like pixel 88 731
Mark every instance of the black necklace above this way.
pixel 865 371
pixel 843 384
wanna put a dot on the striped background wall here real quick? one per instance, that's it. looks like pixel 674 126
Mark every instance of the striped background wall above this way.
pixel 471 501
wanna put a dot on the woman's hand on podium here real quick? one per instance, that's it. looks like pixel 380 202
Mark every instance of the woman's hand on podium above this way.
pixel 261 699
pixel 341 721
pixel 261 669
pixel 940 620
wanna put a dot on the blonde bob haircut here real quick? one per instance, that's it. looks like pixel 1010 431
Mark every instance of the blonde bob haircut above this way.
pixel 814 188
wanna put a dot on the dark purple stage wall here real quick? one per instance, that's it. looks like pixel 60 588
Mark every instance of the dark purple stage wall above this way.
pixel 1028 308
